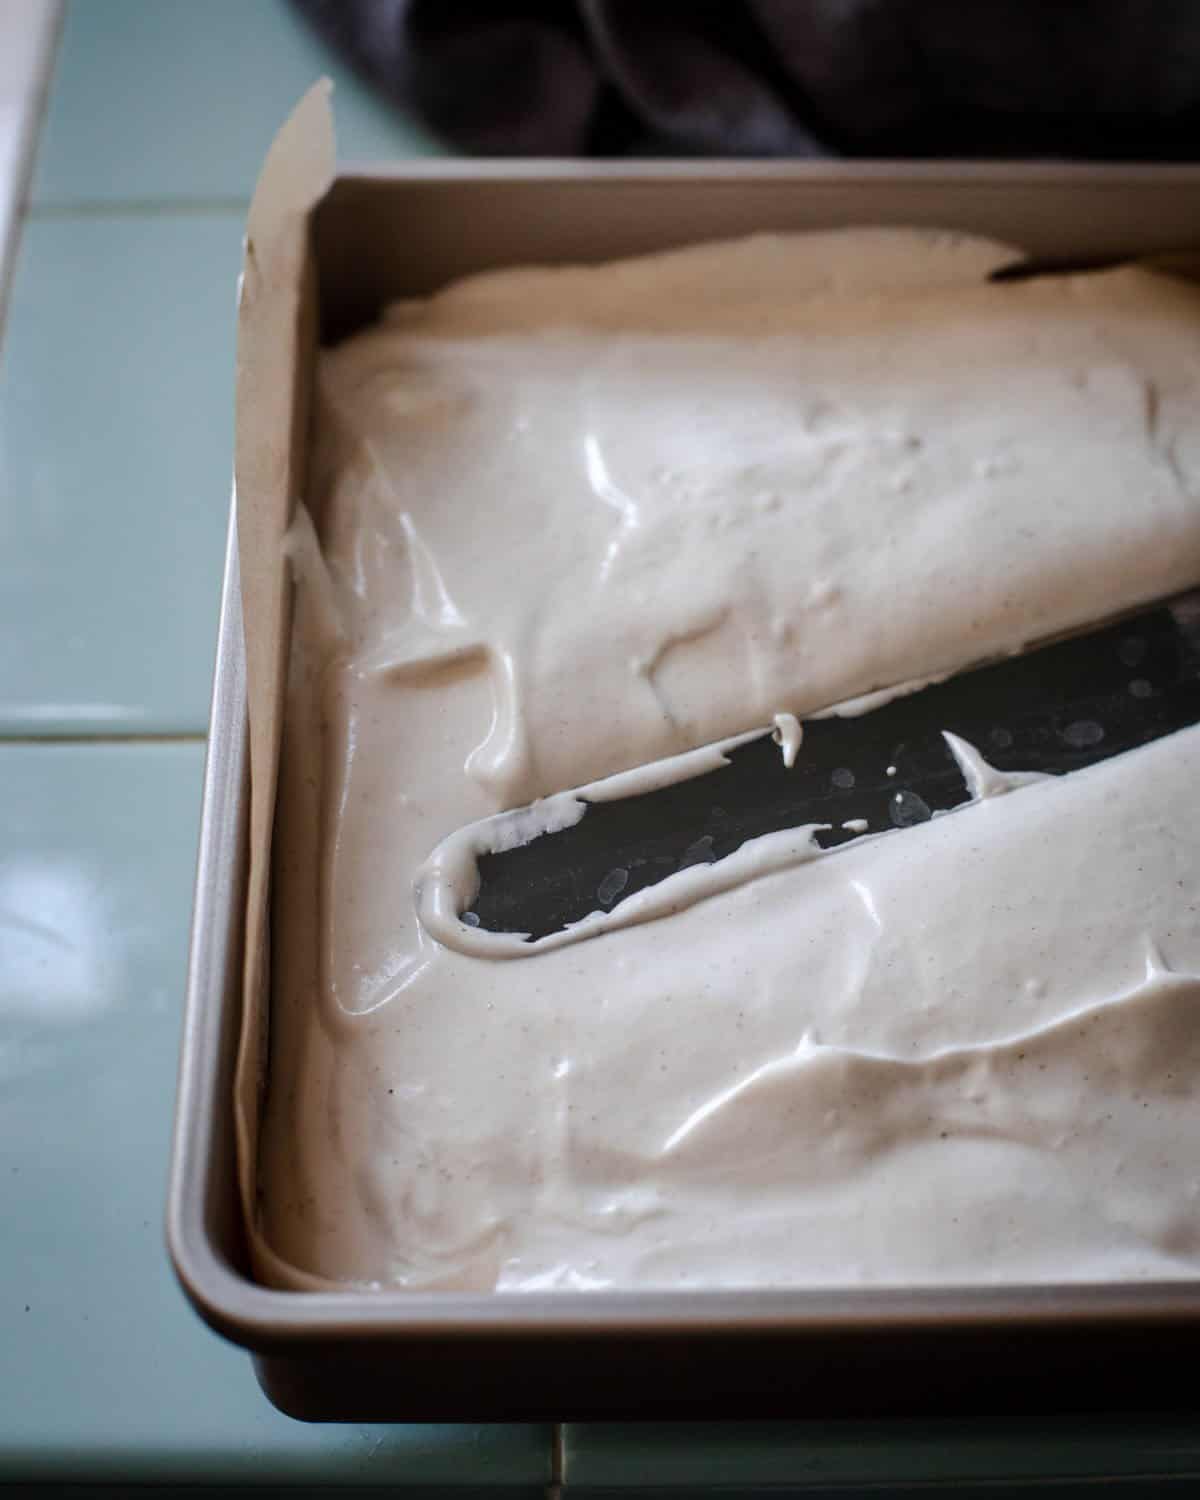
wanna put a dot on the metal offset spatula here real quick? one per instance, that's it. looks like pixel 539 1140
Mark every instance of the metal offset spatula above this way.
pixel 1054 709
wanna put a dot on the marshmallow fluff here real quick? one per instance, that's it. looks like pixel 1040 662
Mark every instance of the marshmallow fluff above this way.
pixel 562 524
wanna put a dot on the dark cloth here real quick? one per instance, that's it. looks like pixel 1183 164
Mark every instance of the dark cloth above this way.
pixel 1079 78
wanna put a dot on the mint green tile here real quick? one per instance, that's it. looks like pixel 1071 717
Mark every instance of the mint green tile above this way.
pixel 178 99
pixel 1022 1458
pixel 116 397
pixel 106 1375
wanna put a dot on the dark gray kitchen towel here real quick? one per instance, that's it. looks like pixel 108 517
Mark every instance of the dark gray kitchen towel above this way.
pixel 1071 78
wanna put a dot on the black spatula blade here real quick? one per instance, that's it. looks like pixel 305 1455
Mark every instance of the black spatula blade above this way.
pixel 1054 709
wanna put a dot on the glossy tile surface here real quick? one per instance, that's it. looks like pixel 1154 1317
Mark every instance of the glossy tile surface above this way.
pixel 1153 1455
pixel 176 99
pixel 116 428
pixel 105 1373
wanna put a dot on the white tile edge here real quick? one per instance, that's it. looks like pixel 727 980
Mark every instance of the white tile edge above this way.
pixel 29 32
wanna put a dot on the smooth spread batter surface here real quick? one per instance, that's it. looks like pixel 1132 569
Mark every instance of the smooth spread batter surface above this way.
pixel 569 522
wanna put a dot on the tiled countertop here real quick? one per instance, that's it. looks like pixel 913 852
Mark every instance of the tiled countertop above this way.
pixel 114 477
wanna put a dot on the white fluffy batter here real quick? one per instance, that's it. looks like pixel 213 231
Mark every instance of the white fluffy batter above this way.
pixel 572 521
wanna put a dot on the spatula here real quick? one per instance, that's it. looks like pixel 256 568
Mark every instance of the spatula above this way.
pixel 1052 710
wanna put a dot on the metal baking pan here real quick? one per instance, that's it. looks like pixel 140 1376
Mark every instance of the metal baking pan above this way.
pixel 425 1356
